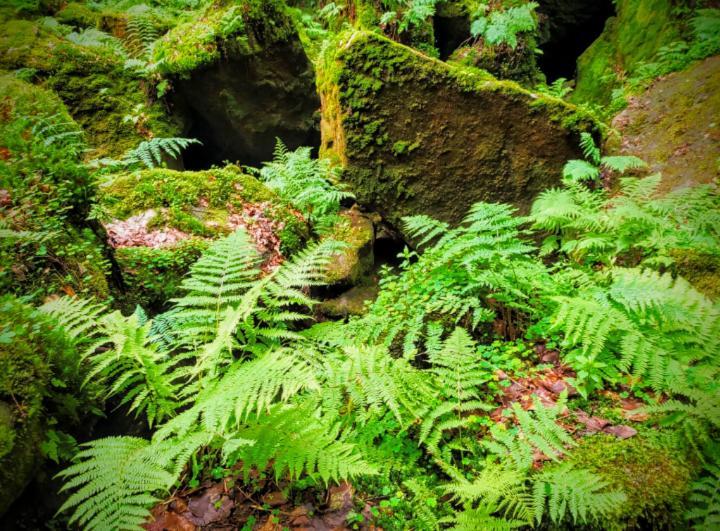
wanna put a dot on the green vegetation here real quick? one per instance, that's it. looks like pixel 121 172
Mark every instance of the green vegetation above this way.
pixel 476 309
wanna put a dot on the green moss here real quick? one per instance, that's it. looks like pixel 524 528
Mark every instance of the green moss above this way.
pixel 377 95
pixel 354 262
pixel 152 275
pixel 32 351
pixel 131 193
pixel 199 202
pixel 238 28
pixel 650 469
pixel 49 195
pixel 634 36
pixel 77 14
pixel 102 96
pixel 701 269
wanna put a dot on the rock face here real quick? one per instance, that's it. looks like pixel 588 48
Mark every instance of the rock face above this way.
pixel 671 126
pixel 241 78
pixel 639 30
pixel 416 135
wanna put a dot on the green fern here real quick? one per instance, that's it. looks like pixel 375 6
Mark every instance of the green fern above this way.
pixel 580 493
pixel 458 378
pixel 704 513
pixel 311 185
pixel 452 280
pixel 296 440
pixel 114 479
pixel 535 431
pixel 150 153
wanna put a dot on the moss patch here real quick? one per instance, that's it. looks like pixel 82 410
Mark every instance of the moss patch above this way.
pixel 102 96
pixel 152 275
pixel 355 261
pixel 228 28
pixel 639 30
pixel 649 468
pixel 47 193
pixel 475 138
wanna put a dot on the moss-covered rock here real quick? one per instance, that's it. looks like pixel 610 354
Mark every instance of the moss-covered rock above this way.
pixel 634 36
pixel 29 346
pixel 356 260
pixel 45 199
pixel 241 78
pixel 160 220
pixel 109 102
pixel 672 126
pixel 649 468
pixel 416 135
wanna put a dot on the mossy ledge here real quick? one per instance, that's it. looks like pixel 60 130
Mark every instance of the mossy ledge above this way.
pixel 410 131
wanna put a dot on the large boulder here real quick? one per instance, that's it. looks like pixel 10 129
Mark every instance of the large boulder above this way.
pixel 159 221
pixel 241 78
pixel 109 101
pixel 415 135
pixel 631 38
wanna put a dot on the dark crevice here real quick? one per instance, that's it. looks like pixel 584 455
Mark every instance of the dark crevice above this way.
pixel 450 33
pixel 567 28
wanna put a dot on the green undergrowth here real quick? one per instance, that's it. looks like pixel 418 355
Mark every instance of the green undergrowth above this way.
pixel 47 245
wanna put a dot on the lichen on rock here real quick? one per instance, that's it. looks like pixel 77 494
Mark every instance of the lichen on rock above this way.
pixel 415 135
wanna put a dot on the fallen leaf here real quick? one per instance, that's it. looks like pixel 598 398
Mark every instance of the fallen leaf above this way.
pixel 621 432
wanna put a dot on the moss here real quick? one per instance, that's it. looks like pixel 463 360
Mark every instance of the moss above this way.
pixel 102 96
pixel 199 202
pixel 475 137
pixel 78 14
pixel 231 28
pixel 32 350
pixel 130 193
pixel 649 468
pixel 634 36
pixel 701 269
pixel 152 276
pixel 354 262
pixel 49 193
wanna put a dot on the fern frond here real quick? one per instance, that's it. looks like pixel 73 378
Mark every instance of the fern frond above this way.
pixel 580 493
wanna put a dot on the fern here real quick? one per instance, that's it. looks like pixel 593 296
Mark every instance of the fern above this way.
pixel 579 492
pixel 452 280
pixel 133 368
pixel 704 513
pixel 458 378
pixel 296 440
pixel 482 518
pixel 535 431
pixel 140 33
pixel 502 488
pixel 372 382
pixel 150 153
pixel 77 317
pixel 309 184
pixel 113 479
pixel 643 322
pixel 503 26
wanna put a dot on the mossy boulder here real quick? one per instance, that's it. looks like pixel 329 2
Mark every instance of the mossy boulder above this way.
pixel 109 101
pixel 45 197
pixel 650 468
pixel 354 262
pixel 161 220
pixel 418 136
pixel 240 79
pixel 32 352
pixel 634 36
